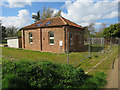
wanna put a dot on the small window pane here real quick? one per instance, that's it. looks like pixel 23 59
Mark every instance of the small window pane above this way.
pixel 48 23
pixel 30 34
pixel 51 41
pixel 71 38
pixel 51 38
pixel 51 34
pixel 39 24
pixel 30 38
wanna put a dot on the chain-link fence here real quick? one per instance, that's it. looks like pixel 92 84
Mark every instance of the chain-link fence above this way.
pixel 91 48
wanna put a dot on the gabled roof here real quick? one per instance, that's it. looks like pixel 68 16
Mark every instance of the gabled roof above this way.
pixel 56 21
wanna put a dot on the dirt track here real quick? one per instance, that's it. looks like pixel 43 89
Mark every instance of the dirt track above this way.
pixel 113 76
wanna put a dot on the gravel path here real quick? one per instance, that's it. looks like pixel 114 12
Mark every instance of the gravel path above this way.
pixel 113 76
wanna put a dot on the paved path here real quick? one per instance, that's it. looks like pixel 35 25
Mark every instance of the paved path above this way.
pixel 113 76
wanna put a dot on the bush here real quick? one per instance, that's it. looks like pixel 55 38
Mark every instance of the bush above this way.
pixel 96 81
pixel 24 74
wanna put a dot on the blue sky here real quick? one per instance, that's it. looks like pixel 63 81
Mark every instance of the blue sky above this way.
pixel 34 8
pixel 16 13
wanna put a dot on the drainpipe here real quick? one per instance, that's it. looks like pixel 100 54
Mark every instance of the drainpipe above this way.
pixel 64 39
pixel 67 47
pixel 41 39
pixel 24 38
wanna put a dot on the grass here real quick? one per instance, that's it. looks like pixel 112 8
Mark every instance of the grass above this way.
pixel 19 54
pixel 105 66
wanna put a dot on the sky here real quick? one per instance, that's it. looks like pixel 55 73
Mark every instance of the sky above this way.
pixel 18 13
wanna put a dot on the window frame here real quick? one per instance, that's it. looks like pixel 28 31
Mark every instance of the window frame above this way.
pixel 30 38
pixel 51 38
pixel 71 39
pixel 80 38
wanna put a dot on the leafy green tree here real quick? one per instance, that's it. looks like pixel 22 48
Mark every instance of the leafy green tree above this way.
pixel 112 31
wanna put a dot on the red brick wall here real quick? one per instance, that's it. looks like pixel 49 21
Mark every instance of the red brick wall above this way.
pixel 76 38
pixel 59 35
pixel 36 39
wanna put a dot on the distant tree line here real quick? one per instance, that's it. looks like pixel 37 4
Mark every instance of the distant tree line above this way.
pixel 112 31
pixel 46 13
pixel 9 32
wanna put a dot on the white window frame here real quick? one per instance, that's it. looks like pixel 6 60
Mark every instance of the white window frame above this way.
pixel 30 38
pixel 71 39
pixel 51 38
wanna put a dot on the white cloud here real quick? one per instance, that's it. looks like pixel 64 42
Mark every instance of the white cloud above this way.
pixel 86 11
pixel 19 21
pixel 111 15
pixel 17 3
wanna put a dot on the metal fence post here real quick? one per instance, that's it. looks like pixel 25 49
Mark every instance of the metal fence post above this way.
pixel 67 47
pixel 89 47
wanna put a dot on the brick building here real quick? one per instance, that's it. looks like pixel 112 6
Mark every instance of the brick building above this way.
pixel 51 35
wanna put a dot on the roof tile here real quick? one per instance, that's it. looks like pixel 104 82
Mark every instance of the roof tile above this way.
pixel 56 21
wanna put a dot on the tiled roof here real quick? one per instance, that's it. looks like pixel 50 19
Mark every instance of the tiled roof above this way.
pixel 56 21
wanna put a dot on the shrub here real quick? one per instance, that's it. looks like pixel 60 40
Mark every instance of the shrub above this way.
pixel 26 74
pixel 96 81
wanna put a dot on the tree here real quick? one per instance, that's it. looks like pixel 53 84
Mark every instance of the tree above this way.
pixel 19 34
pixel 58 14
pixel 4 34
pixel 11 31
pixel 47 13
pixel 99 34
pixel 91 28
pixel 112 31
pixel 89 32
pixel 36 17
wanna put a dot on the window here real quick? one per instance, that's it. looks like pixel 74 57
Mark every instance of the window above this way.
pixel 39 24
pixel 71 38
pixel 48 23
pixel 80 39
pixel 51 38
pixel 30 38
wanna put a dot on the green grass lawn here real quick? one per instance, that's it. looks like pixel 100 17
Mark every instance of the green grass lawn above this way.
pixel 105 66
pixel 19 54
